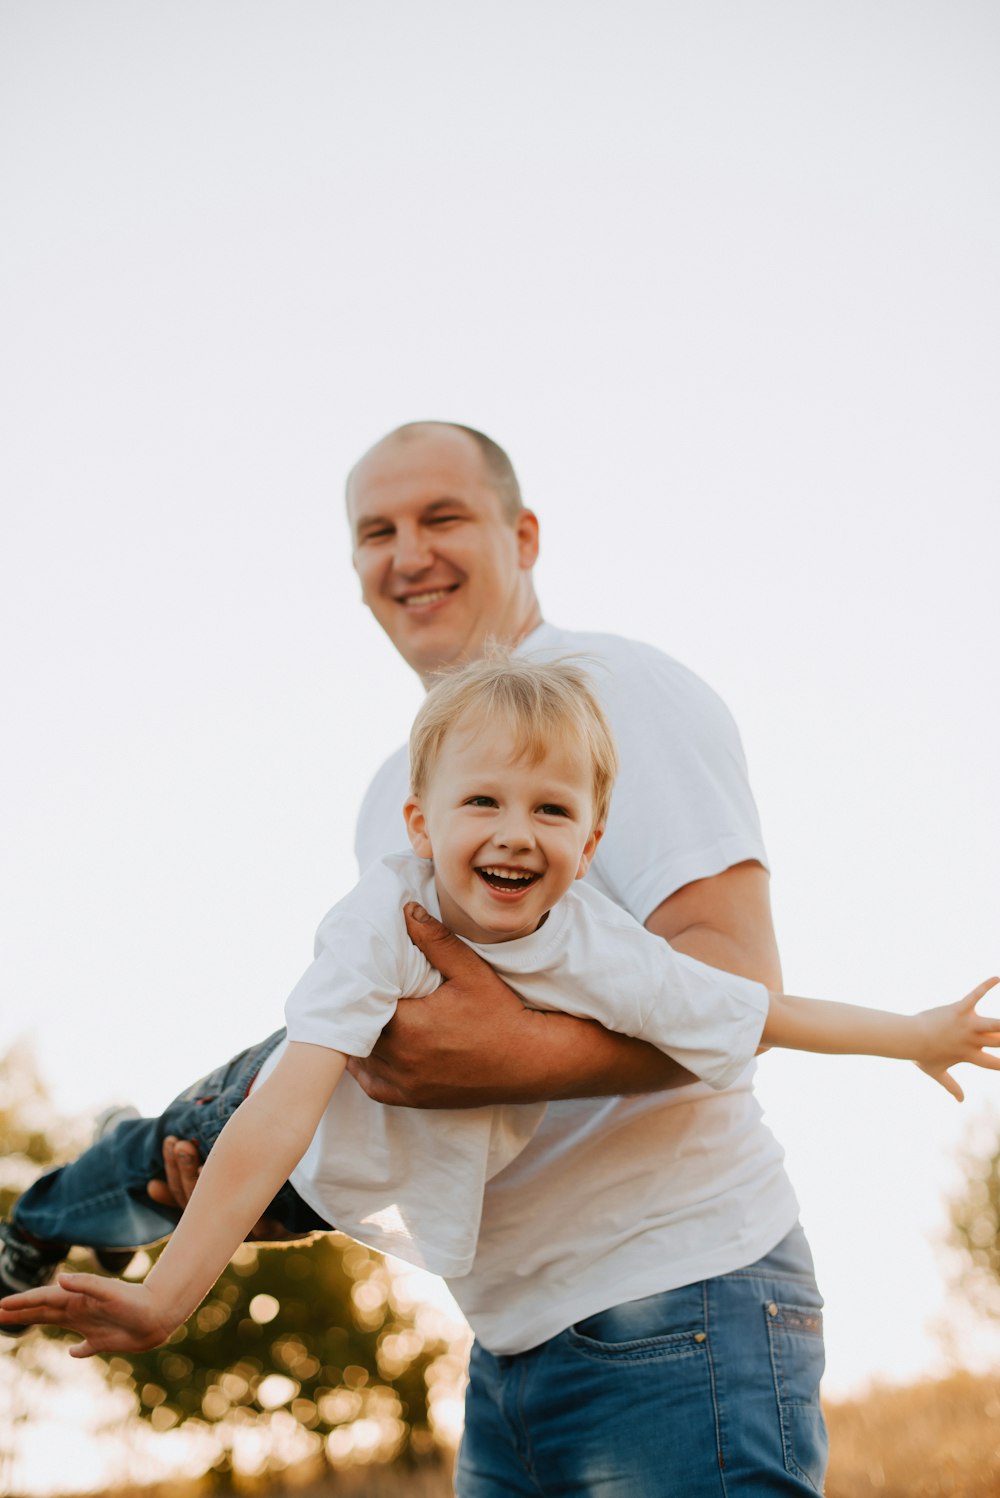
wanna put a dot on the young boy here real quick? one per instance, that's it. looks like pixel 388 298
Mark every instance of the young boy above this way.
pixel 512 766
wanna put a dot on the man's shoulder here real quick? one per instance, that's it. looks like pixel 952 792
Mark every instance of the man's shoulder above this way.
pixel 380 822
pixel 631 675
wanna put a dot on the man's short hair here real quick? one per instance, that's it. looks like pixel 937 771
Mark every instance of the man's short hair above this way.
pixel 540 701
pixel 499 468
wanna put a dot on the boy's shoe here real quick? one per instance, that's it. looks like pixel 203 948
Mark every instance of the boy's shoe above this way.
pixel 25 1264
pixel 113 1260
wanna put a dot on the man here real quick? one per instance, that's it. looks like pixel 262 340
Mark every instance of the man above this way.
pixel 647 1321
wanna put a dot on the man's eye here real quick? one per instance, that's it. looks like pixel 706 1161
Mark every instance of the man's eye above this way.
pixel 380 535
pixel 443 519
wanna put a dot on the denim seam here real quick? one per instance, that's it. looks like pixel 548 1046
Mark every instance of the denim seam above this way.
pixel 528 1459
pixel 674 1347
pixel 716 1411
pixel 761 1274
pixel 785 1406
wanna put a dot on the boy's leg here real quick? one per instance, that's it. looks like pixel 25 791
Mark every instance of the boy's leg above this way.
pixel 99 1200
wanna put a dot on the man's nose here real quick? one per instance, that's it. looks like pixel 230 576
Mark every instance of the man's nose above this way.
pixel 412 553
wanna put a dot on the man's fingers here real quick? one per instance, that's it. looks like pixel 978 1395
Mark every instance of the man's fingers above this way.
pixel 81 1350
pixel 443 950
pixel 182 1165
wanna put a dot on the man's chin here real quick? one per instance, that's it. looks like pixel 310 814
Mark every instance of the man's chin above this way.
pixel 427 650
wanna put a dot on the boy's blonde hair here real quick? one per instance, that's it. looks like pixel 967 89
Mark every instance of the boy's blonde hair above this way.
pixel 538 700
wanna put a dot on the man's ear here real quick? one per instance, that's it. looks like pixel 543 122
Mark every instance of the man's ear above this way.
pixel 526 527
pixel 416 828
pixel 589 849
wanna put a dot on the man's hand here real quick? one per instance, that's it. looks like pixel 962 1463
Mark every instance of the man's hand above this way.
pixel 182 1167
pixel 110 1315
pixel 473 1042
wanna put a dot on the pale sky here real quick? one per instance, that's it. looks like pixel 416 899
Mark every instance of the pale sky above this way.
pixel 722 278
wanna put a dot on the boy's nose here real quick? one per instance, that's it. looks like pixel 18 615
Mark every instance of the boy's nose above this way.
pixel 515 834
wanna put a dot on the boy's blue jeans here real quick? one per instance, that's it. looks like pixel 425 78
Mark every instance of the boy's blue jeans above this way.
pixel 100 1200
pixel 709 1391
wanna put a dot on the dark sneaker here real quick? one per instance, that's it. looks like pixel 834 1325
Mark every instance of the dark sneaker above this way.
pixel 113 1260
pixel 24 1264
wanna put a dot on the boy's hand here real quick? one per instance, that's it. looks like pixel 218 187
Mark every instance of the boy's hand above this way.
pixel 110 1315
pixel 955 1032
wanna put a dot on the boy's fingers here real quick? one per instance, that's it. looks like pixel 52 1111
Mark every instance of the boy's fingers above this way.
pixel 950 1085
pixel 443 950
pixel 95 1285
pixel 972 999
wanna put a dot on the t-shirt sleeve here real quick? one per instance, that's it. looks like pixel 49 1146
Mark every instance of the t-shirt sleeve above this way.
pixel 709 1021
pixel 617 972
pixel 682 807
pixel 363 963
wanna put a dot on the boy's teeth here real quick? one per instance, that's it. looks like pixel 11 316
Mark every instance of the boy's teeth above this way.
pixel 510 876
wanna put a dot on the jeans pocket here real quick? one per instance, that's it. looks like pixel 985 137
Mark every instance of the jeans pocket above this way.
pixel 795 1337
pixel 668 1325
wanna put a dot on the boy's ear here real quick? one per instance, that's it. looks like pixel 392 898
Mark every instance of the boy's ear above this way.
pixel 589 849
pixel 416 828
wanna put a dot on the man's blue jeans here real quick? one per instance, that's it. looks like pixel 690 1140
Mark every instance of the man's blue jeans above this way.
pixel 709 1391
pixel 100 1200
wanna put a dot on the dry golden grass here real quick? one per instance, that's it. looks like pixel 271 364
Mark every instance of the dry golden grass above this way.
pixel 929 1440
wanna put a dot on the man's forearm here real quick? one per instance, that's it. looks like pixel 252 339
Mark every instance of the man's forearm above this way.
pixel 472 1042
pixel 565 1057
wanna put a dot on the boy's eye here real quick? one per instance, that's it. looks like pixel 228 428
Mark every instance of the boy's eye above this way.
pixel 549 810
pixel 480 801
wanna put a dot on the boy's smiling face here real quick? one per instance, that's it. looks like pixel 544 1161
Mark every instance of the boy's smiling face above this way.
pixel 507 837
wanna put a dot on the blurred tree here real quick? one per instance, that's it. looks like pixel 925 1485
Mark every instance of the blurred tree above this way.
pixel 975 1217
pixel 311 1331
pixel 310 1346
pixel 32 1136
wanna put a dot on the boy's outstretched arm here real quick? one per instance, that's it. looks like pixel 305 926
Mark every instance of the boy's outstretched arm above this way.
pixel 935 1039
pixel 255 1154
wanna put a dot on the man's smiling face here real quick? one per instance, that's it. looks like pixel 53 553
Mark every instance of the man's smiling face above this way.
pixel 442 567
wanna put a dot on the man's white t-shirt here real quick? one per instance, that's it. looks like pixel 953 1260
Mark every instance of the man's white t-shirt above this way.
pixel 617 1198
pixel 411 1182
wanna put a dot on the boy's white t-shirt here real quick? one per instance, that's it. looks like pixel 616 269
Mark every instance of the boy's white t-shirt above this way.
pixel 410 1182
pixel 617 1198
